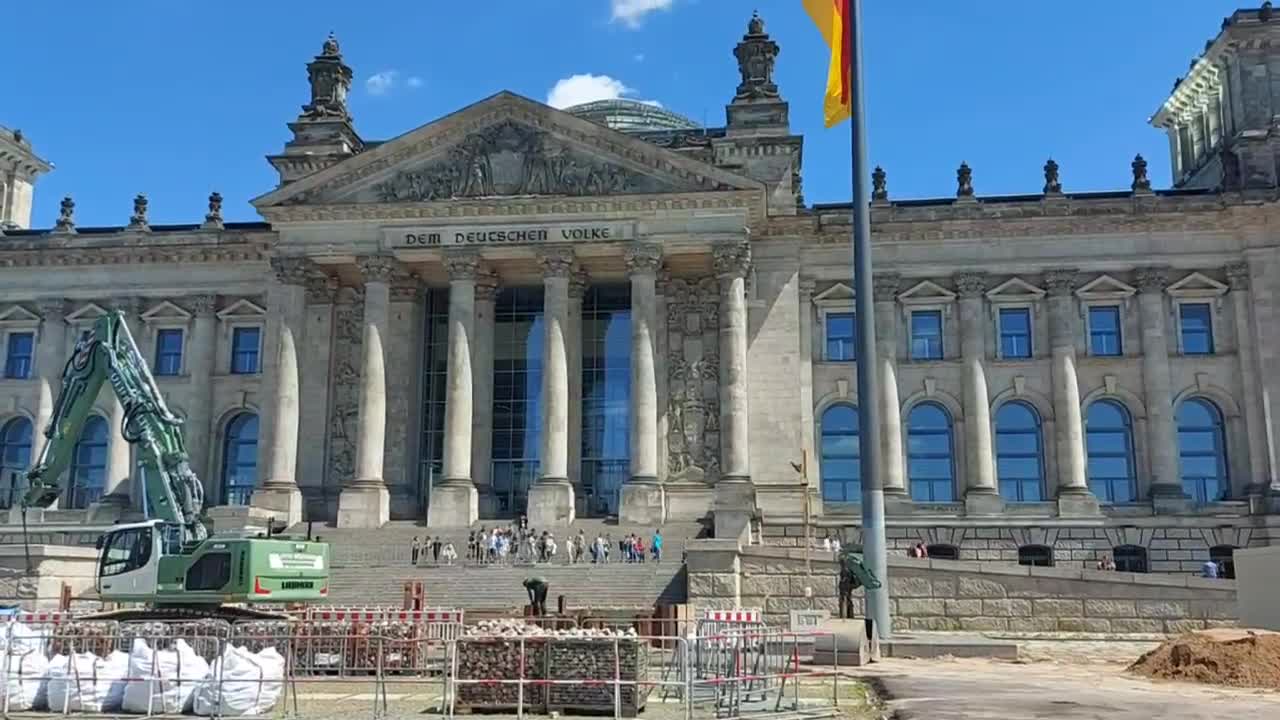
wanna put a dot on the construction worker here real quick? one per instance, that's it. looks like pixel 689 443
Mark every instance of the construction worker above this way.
pixel 537 588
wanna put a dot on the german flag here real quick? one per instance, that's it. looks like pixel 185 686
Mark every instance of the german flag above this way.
pixel 834 22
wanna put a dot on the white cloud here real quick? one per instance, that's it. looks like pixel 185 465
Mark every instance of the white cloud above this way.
pixel 583 88
pixel 414 81
pixel 632 12
pixel 381 83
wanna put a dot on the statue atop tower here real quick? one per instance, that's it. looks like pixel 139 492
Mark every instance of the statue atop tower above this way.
pixel 323 133
pixel 756 55
pixel 330 83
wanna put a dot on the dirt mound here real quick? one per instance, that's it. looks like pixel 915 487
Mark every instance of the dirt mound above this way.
pixel 1242 658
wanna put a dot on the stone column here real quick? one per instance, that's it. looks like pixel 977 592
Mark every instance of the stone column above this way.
pixel 1254 420
pixel 980 494
pixel 117 490
pixel 642 496
pixel 1162 437
pixel 482 349
pixel 735 492
pixel 51 358
pixel 366 503
pixel 1074 497
pixel 551 501
pixel 455 501
pixel 278 454
pixel 886 303
pixel 573 340
pixel 198 430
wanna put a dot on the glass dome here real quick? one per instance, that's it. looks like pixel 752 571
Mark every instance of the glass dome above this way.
pixel 631 116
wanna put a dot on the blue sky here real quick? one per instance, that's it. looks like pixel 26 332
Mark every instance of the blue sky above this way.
pixel 175 98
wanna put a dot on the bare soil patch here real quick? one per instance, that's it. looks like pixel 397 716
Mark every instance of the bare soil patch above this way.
pixel 1235 657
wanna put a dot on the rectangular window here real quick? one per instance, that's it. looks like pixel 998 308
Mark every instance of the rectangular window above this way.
pixel 1104 331
pixel 1015 333
pixel 244 350
pixel 168 352
pixel 926 335
pixel 841 337
pixel 1197 328
pixel 18 355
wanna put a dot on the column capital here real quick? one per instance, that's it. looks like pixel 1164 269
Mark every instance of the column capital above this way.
pixel 579 280
pixel 643 258
pixel 971 284
pixel 378 268
pixel 292 270
pixel 806 286
pixel 885 286
pixel 202 305
pixel 1152 279
pixel 1061 281
pixel 52 308
pixel 488 285
pixel 130 306
pixel 462 264
pixel 1238 275
pixel 732 260
pixel 556 261
pixel 322 289
pixel 405 288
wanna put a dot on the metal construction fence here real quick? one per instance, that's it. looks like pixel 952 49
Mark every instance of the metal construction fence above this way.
pixel 391 669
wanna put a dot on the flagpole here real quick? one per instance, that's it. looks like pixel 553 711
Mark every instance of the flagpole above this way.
pixel 869 415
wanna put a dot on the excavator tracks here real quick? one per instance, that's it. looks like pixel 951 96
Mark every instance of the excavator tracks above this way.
pixel 228 614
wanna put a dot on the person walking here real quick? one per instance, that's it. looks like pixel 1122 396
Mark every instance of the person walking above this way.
pixel 415 548
pixel 435 549
pixel 656 544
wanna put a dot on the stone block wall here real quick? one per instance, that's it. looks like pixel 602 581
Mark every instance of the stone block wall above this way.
pixel 974 596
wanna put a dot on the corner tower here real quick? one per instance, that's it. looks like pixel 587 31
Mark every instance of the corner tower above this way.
pixel 19 169
pixel 323 133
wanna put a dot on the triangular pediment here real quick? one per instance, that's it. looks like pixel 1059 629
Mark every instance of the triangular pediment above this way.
pixel 166 310
pixel 838 293
pixel 86 313
pixel 1105 287
pixel 926 292
pixel 1197 285
pixel 1014 290
pixel 18 315
pixel 242 309
pixel 505 146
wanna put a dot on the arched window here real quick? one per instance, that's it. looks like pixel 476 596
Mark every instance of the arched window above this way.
pixel 1202 450
pixel 1130 558
pixel 89 463
pixel 240 459
pixel 1224 555
pixel 943 552
pixel 1109 443
pixel 930 459
pixel 1019 453
pixel 840 469
pixel 1037 555
pixel 15 458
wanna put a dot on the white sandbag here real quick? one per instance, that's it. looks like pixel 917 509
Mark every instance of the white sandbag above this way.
pixel 162 681
pixel 251 684
pixel 20 638
pixel 24 686
pixel 86 682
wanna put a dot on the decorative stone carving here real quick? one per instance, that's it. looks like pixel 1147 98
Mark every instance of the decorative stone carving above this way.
pixel 1052 184
pixel 879 184
pixel 66 222
pixel 213 218
pixel 330 82
pixel 138 221
pixel 579 281
pixel 756 54
pixel 643 258
pixel 321 289
pixel 886 286
pixel 964 181
pixel 806 288
pixel 1238 276
pixel 462 264
pixel 1152 279
pixel 693 380
pixel 378 268
pixel 348 340
pixel 201 305
pixel 292 270
pixel 556 261
pixel 52 308
pixel 732 259
pixel 971 284
pixel 488 286
pixel 1061 281
pixel 1141 183
pixel 406 288
pixel 510 158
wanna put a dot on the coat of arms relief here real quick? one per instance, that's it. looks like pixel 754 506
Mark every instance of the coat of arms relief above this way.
pixel 693 380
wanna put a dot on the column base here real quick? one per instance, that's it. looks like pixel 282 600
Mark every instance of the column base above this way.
pixel 107 510
pixel 897 502
pixel 984 502
pixel 453 505
pixel 1169 500
pixel 1265 501
pixel 284 502
pixel 689 501
pixel 643 502
pixel 364 505
pixel 735 507
pixel 551 504
pixel 239 518
pixel 1078 504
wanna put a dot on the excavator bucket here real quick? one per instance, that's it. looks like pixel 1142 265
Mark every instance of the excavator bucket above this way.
pixel 41 496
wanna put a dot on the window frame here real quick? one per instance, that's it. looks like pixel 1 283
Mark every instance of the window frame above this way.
pixel 826 316
pixel 17 320
pixel 1141 558
pixel 951 436
pixel 1198 289
pixel 822 455
pixel 232 331
pixel 1102 291
pixel 226 465
pixel 1179 305
pixel 835 300
pixel 1222 450
pixel 1038 426
pixel 183 335
pixel 1119 308
pixel 911 332
pixel 1131 454
pixel 9 337
pixel 1029 554
pixel 999 310
pixel 1227 567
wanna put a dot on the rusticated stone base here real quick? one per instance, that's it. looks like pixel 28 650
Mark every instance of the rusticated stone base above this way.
pixel 1083 504
pixel 551 504
pixel 283 502
pixel 453 505
pixel 983 503
pixel 364 506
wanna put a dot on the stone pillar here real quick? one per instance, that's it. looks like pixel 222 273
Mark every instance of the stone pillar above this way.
pixel 278 455
pixel 118 493
pixel 198 429
pixel 482 349
pixel 551 501
pixel 886 304
pixel 1254 420
pixel 735 492
pixel 1162 437
pixel 1074 497
pixel 366 502
pixel 455 501
pixel 642 496
pixel 980 494
pixel 51 358
pixel 573 340
pixel 808 440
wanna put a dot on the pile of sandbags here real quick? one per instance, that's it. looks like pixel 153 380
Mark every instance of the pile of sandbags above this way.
pixel 241 683
pixel 24 686
pixel 84 682
pixel 162 681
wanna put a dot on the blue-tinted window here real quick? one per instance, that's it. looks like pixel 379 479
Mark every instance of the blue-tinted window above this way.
pixel 18 355
pixel 240 459
pixel 926 335
pixel 1109 446
pixel 930 454
pixel 1104 331
pixel 841 337
pixel 519 337
pixel 168 352
pixel 1202 451
pixel 245 342
pixel 89 463
pixel 606 396
pixel 1197 328
pixel 15 458
pixel 840 467
pixel 1019 453
pixel 1015 333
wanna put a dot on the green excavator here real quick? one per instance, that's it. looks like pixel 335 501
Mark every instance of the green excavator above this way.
pixel 170 562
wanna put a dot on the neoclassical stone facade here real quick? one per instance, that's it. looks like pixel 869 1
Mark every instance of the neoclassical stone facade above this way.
pixel 518 310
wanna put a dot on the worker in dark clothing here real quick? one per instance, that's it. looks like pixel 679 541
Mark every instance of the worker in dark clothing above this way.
pixel 847 583
pixel 537 588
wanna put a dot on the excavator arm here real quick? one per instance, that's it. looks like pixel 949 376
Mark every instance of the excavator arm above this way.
pixel 108 354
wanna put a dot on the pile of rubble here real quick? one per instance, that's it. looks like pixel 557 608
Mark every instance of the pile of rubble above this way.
pixel 520 628
pixel 1239 658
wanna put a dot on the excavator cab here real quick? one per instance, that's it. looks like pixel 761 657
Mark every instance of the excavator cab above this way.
pixel 129 559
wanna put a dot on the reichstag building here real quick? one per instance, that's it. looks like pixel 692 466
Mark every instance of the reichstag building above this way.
pixel 610 310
